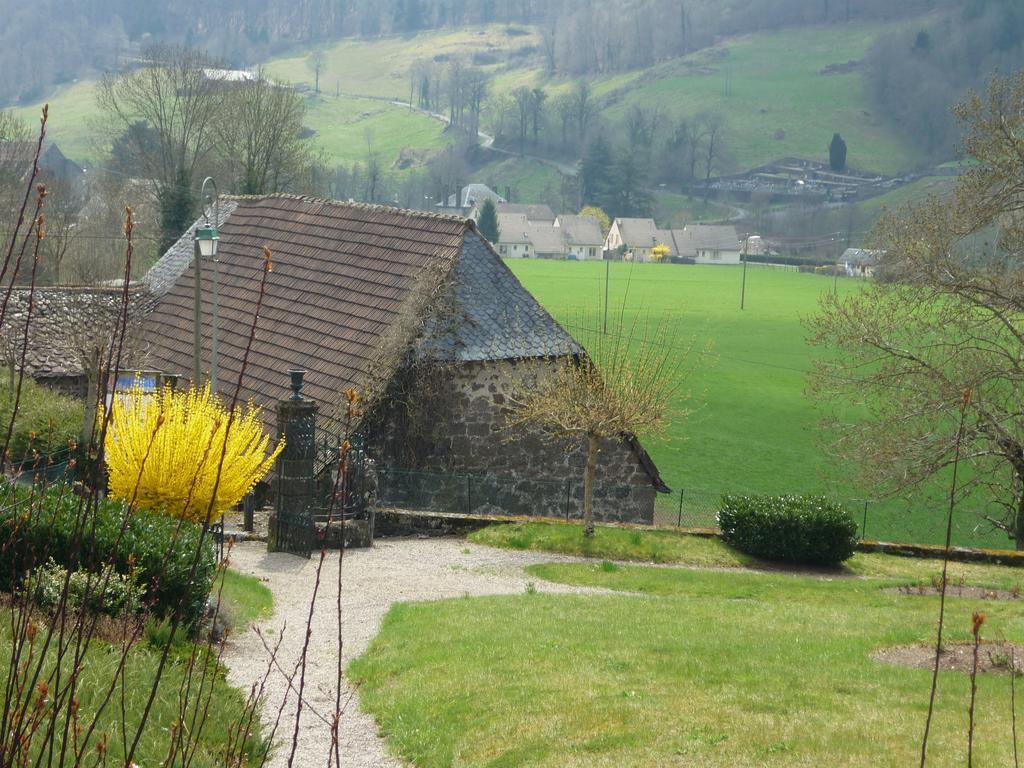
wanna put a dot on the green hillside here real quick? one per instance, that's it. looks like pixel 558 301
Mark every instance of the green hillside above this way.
pixel 770 86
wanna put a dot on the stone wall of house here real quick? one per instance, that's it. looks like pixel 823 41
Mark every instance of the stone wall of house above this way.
pixel 443 440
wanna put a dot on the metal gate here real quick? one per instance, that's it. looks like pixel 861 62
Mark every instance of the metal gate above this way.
pixel 295 533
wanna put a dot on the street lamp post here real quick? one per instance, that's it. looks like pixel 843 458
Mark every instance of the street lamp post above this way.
pixel 206 240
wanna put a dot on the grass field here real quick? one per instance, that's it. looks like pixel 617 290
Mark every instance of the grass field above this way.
pixel 689 668
pixel 754 430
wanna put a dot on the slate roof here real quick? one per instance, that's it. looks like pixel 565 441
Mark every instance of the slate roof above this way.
pixel 581 230
pixel 706 237
pixel 531 211
pixel 512 228
pixel 16 160
pixel 162 275
pixel 494 316
pixel 638 233
pixel 472 194
pixel 64 322
pixel 351 288
pixel 546 239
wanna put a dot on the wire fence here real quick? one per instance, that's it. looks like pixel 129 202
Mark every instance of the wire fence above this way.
pixel 920 520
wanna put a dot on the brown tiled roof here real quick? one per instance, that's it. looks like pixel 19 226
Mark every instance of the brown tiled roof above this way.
pixel 344 293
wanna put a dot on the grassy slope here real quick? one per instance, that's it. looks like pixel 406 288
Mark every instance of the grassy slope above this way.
pixel 754 430
pixel 770 82
pixel 71 122
pixel 763 82
pixel 728 669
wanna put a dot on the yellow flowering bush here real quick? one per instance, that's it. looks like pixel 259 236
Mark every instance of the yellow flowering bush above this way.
pixel 162 451
pixel 659 252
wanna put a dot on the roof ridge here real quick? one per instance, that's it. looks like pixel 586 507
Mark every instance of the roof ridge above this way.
pixel 376 207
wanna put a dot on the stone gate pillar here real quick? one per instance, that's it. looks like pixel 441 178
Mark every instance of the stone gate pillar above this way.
pixel 291 526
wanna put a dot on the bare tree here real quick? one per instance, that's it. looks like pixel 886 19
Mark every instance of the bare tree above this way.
pixel 373 169
pixel 178 99
pixel 259 133
pixel 623 386
pixel 582 109
pixel 524 102
pixel 945 318
pixel 63 226
pixel 714 148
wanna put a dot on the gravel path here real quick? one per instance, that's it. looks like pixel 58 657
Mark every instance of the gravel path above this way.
pixel 394 570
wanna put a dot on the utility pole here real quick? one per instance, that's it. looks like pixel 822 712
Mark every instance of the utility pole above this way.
pixel 607 271
pixel 743 288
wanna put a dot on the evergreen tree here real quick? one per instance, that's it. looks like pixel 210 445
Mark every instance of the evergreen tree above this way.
pixel 487 224
pixel 177 207
pixel 596 182
pixel 630 198
pixel 837 153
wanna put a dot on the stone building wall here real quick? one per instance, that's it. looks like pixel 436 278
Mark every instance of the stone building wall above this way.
pixel 443 440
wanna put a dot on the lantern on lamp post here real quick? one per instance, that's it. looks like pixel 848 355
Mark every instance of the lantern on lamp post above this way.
pixel 206 242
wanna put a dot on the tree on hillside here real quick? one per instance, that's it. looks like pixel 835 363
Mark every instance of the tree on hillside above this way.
pixel 524 103
pixel 488 222
pixel 947 318
pixel 537 98
pixel 179 103
pixel 259 133
pixel 837 153
pixel 622 387
pixel 595 177
pixel 630 198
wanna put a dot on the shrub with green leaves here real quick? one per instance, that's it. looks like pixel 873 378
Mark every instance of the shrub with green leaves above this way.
pixel 108 592
pixel 810 530
pixel 57 525
pixel 46 421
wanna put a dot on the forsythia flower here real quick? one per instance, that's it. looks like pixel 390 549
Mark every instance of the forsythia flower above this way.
pixel 163 450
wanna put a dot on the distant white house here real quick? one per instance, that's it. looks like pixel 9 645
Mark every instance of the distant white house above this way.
pixel 636 237
pixel 566 237
pixel 583 237
pixel 860 262
pixel 514 241
pixel 708 243
pixel 704 243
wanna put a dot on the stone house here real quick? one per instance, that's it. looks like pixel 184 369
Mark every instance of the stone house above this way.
pixel 420 313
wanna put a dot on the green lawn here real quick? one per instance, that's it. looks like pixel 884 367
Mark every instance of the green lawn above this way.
pixel 691 668
pixel 678 548
pixel 754 429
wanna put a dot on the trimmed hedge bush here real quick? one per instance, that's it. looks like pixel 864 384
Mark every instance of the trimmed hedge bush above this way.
pixel 29 537
pixel 54 418
pixel 810 530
